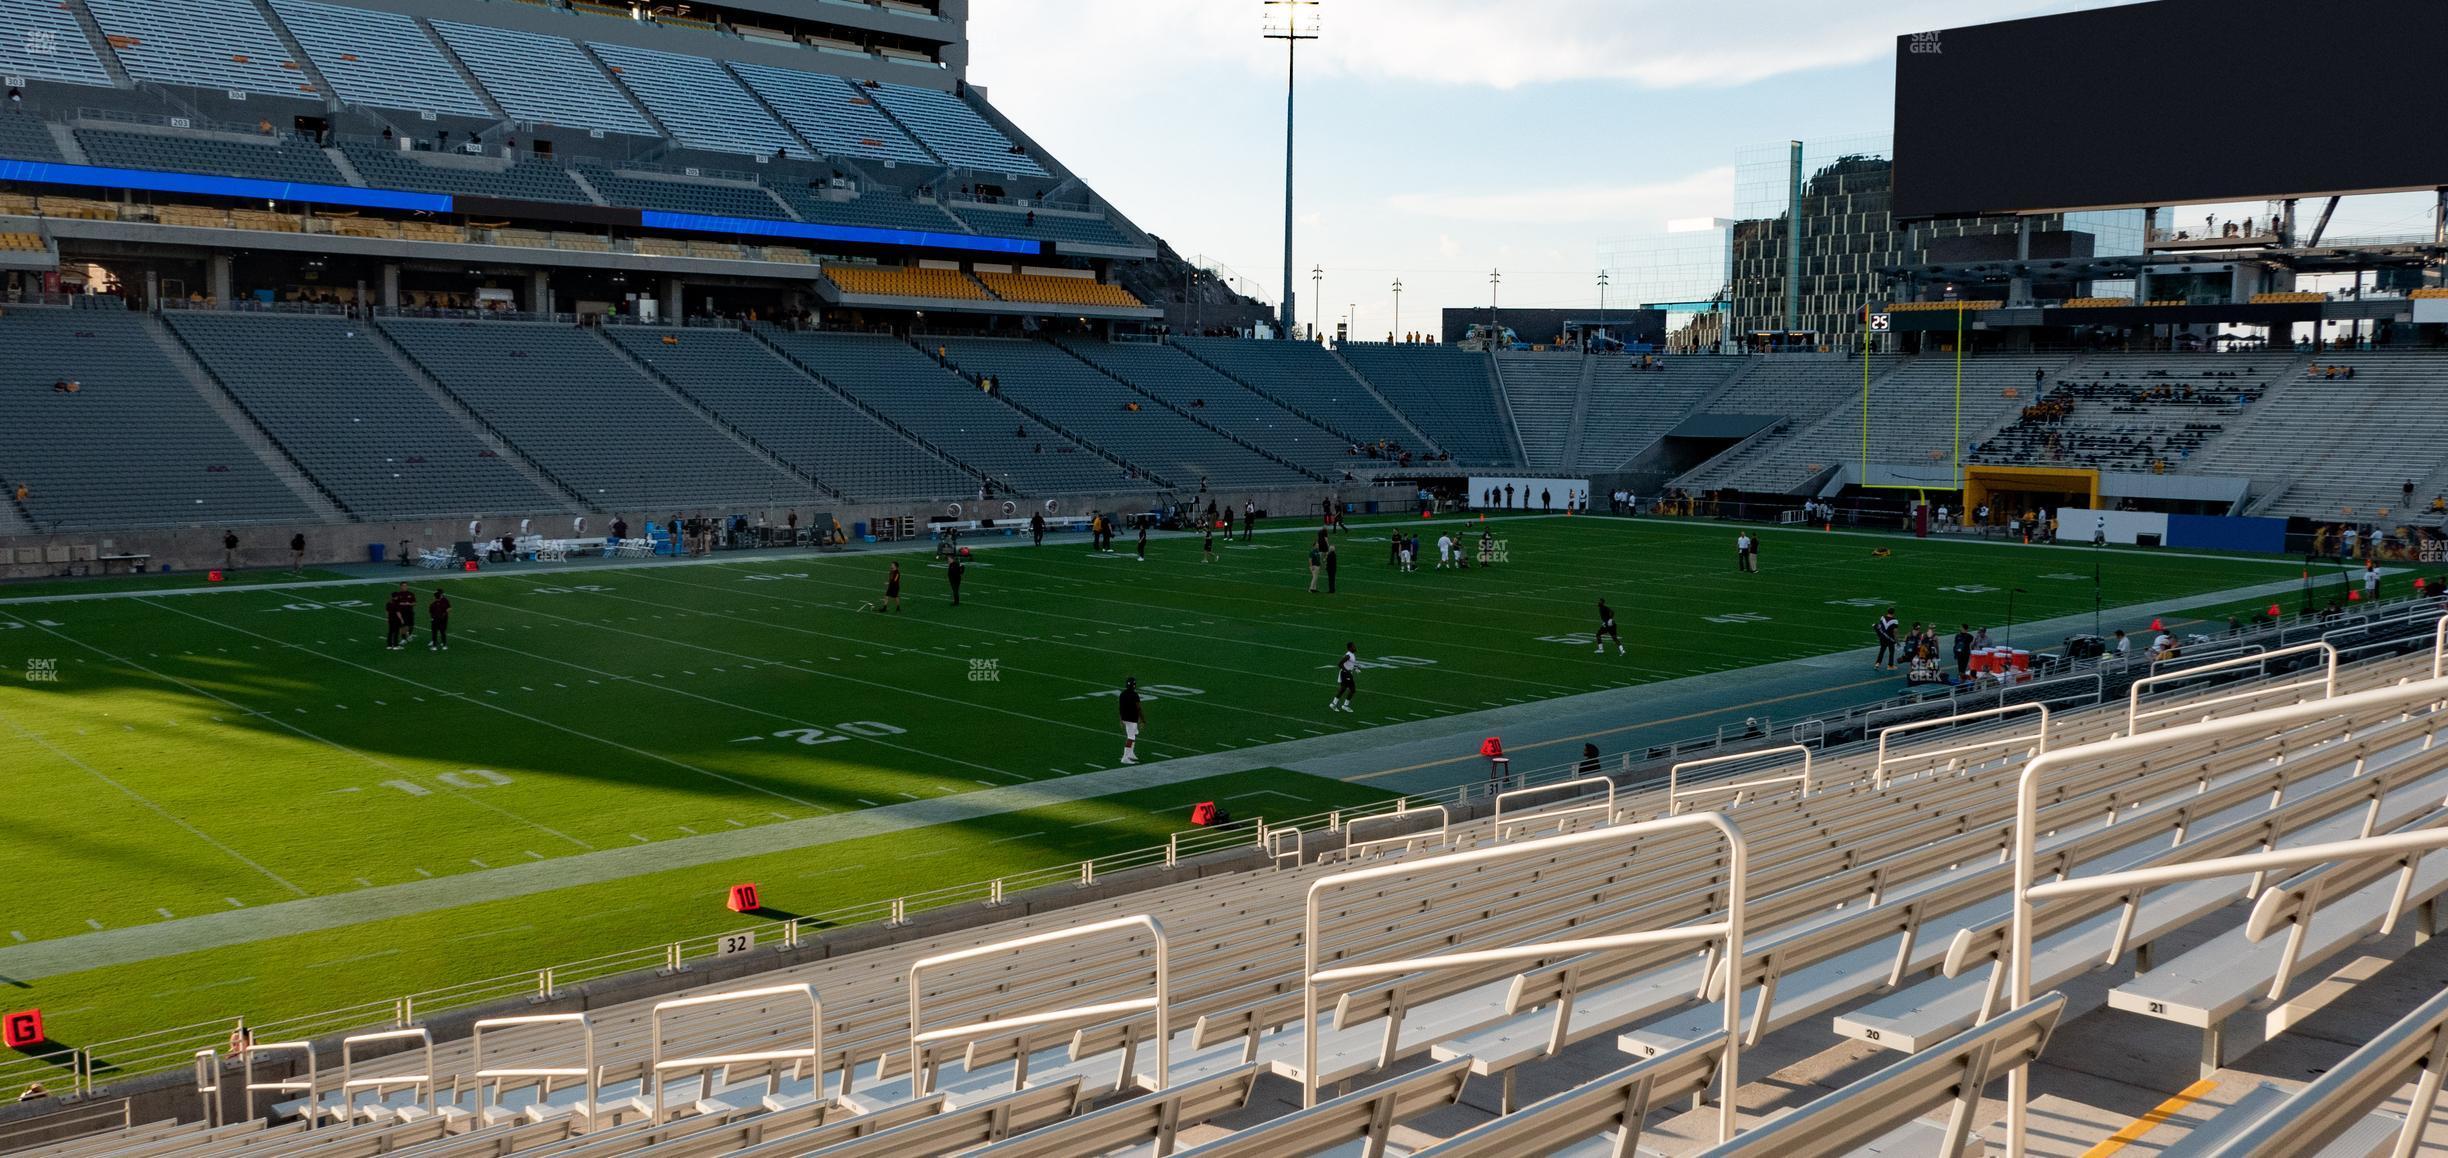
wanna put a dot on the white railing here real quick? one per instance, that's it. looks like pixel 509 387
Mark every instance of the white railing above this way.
pixel 2326 681
pixel 304 1049
pixel 1354 848
pixel 421 1081
pixel 1556 816
pixel 922 1071
pixel 701 1064
pixel 490 1079
pixel 1675 793
pixel 2039 739
pixel 2027 890
pixel 1727 931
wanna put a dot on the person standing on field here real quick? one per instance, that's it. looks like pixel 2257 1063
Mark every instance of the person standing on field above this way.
pixel 1207 542
pixel 1886 632
pixel 953 570
pixel 1143 540
pixel 1037 529
pixel 1330 569
pixel 1346 679
pixel 1742 551
pixel 1133 715
pixel 399 614
pixel 297 553
pixel 1317 562
pixel 437 622
pixel 892 590
pixel 1607 629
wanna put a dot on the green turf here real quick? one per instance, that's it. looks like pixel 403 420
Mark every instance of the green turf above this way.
pixel 249 747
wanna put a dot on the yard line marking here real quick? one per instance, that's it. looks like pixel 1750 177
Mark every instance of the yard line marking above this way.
pixel 368 757
pixel 988 783
pixel 831 871
pixel 235 903
pixel 421 872
pixel 478 863
pixel 924 855
pixel 363 883
pixel 686 829
pixel 865 801
pixel 776 816
pixel 911 795
pixel 97 925
pixel 534 855
pixel 639 839
pixel 581 733
pixel 734 823
pixel 1270 792
pixel 156 809
pixel 490 933
pixel 167 915
pixel 16 934
pixel 1008 839
pixel 1094 823
pixel 352 960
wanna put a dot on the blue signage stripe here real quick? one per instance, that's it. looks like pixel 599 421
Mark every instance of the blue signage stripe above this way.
pixel 248 188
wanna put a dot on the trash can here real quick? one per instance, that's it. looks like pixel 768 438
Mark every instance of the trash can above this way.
pixel 1372 506
pixel 375 552
pixel 858 530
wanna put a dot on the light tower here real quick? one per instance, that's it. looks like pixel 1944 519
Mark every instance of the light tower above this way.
pixel 1317 320
pixel 1290 21
pixel 1398 309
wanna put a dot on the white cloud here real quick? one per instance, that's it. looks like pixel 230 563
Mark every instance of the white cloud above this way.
pixel 1637 206
pixel 1651 43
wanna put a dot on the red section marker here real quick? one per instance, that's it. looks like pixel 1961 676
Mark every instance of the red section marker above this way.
pixel 744 899
pixel 212 576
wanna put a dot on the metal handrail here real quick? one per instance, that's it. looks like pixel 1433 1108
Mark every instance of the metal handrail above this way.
pixel 2134 715
pixel 1557 816
pixel 922 1074
pixel 813 1054
pixel 494 1075
pixel 1674 775
pixel 1878 771
pixel 1353 849
pixel 350 1083
pixel 2027 824
pixel 313 1113
pixel 1729 930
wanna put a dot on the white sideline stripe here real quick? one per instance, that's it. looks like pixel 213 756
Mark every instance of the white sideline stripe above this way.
pixel 1094 823
pixel 353 960
pixel 1009 839
pixel 156 809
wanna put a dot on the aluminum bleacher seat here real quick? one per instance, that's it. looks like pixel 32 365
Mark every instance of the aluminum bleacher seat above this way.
pixel 909 390
pixel 1101 411
pixel 27 139
pixel 1631 408
pixel 915 281
pixel 952 130
pixel 2318 447
pixel 378 58
pixel 134 446
pixel 699 102
pixel 1541 389
pixel 1446 392
pixel 44 41
pixel 793 416
pixel 1209 397
pixel 272 159
pixel 387 166
pixel 836 116
pixel 209 44
pixel 544 79
pixel 1306 378
pixel 325 390
pixel 678 194
pixel 1911 420
pixel 579 411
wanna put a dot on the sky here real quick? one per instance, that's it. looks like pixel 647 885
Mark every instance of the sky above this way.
pixel 1442 139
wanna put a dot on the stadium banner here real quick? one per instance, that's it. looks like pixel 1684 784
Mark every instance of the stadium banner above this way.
pixel 2082 524
pixel 1526 491
pixel 2223 533
pixel 2431 311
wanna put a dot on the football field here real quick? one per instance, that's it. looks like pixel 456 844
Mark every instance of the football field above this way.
pixel 604 748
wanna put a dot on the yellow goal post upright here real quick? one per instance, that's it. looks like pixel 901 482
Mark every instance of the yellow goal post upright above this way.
pixel 1868 481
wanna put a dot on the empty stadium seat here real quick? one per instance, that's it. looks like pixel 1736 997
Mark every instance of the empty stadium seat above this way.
pixel 1064 291
pixel 378 58
pixel 833 114
pixel 209 44
pixel 792 415
pixel 1215 400
pixel 954 131
pixel 589 419
pixel 545 79
pixel 273 159
pixel 1446 391
pixel 702 106
pixel 905 282
pixel 45 41
pixel 26 139
pixel 324 389
pixel 387 166
pixel 1302 376
pixel 135 446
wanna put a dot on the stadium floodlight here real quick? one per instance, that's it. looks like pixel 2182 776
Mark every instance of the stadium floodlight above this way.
pixel 1317 278
pixel 1290 21
pixel 1398 309
pixel 1602 288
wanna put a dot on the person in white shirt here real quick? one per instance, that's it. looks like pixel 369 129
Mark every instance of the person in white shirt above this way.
pixel 2349 540
pixel 476 530
pixel 1346 679
pixel 2123 647
pixel 1742 551
pixel 1444 551
pixel 2162 647
pixel 2371 580
pixel 1943 515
